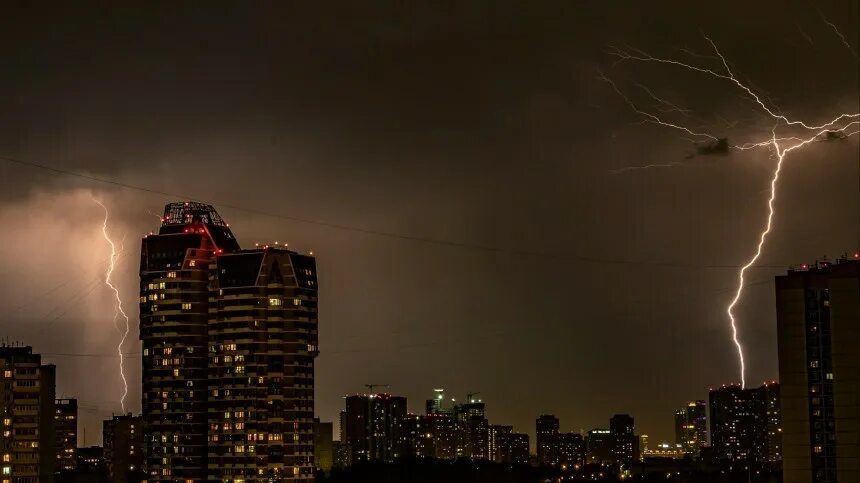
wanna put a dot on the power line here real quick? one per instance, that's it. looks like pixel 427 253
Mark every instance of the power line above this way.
pixel 382 233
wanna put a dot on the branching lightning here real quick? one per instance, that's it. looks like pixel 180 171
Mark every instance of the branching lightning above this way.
pixel 802 134
pixel 119 312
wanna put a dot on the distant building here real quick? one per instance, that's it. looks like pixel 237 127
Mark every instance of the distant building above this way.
pixel 437 404
pixel 517 447
pixel 472 429
pixel 691 427
pixel 665 450
pixel 341 427
pixel 570 448
pixel 373 425
pixel 323 440
pixel 599 447
pixel 497 437
pixel 643 446
pixel 123 438
pixel 91 459
pixel 745 423
pixel 28 440
pixel 817 312
pixel 624 442
pixel 341 455
pixel 66 427
pixel 546 439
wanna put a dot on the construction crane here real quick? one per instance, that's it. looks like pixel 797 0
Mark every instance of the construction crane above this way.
pixel 371 386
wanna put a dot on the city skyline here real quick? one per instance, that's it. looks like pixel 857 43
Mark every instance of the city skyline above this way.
pixel 468 228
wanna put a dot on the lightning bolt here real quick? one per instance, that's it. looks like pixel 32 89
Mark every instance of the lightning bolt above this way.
pixel 844 124
pixel 119 312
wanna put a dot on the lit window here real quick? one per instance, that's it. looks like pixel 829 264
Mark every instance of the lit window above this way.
pixel 7 373
pixel 240 369
pixel 297 302
pixel 171 274
pixel 829 376
pixel 192 263
pixel 176 373
pixel 186 306
pixel 275 302
pixel 813 364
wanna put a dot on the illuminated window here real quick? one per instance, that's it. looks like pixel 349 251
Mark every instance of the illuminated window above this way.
pixel 171 274
pixel 168 351
pixel 240 369
pixel 186 306
pixel 176 373
pixel 297 302
pixel 142 299
pixel 7 458
pixel 275 302
pixel 813 364
pixel 7 373
pixel 192 263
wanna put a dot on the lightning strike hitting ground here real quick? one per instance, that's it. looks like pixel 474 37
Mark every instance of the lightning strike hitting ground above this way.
pixel 119 312
pixel 843 125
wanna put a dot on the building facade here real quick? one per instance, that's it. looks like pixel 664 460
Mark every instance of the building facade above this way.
pixel 691 427
pixel 66 427
pixel 546 436
pixel 229 337
pixel 818 331
pixel 28 440
pixel 599 447
pixel 123 438
pixel 373 426
pixel 745 423
pixel 517 447
pixel 625 443
pixel 571 449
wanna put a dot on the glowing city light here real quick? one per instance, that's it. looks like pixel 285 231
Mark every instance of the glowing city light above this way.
pixel 119 312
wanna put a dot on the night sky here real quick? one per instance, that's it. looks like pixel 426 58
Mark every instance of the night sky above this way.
pixel 558 287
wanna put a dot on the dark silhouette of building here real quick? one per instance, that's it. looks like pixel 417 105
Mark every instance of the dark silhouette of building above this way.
pixel 570 448
pixel 373 426
pixel 323 440
pixel 818 329
pixel 625 443
pixel 691 427
pixel 429 436
pixel 517 447
pixel 91 459
pixel 437 404
pixel 28 440
pixel 341 455
pixel 229 337
pixel 745 423
pixel 66 427
pixel 123 438
pixel 497 442
pixel 599 447
pixel 546 439
pixel 472 438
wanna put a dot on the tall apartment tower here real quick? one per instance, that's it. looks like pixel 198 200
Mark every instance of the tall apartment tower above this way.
pixel 66 429
pixel 691 427
pixel 818 330
pixel 546 439
pixel 373 426
pixel 229 337
pixel 745 423
pixel 27 410
pixel 625 448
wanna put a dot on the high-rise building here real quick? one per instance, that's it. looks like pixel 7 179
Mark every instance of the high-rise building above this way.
pixel 66 427
pixel 546 437
pixel 28 440
pixel 570 449
pixel 91 459
pixel 745 423
pixel 341 427
pixel 517 447
pixel 123 438
pixel 437 404
pixel 691 427
pixel 428 436
pixel 497 442
pixel 818 309
pixel 599 447
pixel 625 444
pixel 262 344
pixel 472 429
pixel 244 320
pixel 373 425
pixel 323 440
pixel 341 455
